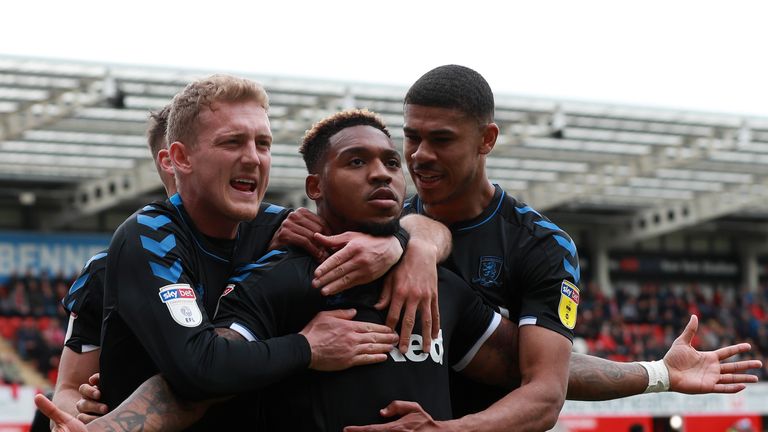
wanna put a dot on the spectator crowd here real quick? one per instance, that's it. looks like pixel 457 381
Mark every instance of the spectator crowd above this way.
pixel 642 320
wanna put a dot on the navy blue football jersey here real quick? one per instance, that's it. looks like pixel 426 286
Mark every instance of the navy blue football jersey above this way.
pixel 163 279
pixel 274 296
pixel 522 264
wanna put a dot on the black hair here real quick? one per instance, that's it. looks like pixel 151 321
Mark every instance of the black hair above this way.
pixel 456 87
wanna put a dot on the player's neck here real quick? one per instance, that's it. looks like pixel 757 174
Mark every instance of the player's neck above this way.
pixel 462 207
pixel 210 221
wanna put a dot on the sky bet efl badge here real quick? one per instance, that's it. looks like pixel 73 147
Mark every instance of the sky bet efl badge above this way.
pixel 569 302
pixel 180 299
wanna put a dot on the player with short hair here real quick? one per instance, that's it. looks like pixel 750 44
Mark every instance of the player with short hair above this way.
pixel 169 262
pixel 524 265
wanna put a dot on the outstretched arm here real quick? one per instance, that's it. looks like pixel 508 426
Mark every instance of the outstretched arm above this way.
pixel 690 371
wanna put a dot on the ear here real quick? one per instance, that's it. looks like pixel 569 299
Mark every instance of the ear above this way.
pixel 490 134
pixel 164 161
pixel 312 187
pixel 179 156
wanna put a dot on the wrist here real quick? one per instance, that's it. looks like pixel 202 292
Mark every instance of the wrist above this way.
pixel 658 376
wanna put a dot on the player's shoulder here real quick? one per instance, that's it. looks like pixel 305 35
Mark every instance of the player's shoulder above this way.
pixel 270 214
pixel 153 217
pixel 527 218
pixel 89 280
pixel 275 264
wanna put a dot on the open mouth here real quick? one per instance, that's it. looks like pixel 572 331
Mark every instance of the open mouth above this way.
pixel 428 178
pixel 243 185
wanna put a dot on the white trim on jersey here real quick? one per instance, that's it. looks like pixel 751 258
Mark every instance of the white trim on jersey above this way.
pixel 70 324
pixel 88 348
pixel 527 320
pixel 467 359
pixel 244 332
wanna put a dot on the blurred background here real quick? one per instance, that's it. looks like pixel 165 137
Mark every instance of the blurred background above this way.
pixel 639 128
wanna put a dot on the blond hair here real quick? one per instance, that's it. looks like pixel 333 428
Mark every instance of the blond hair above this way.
pixel 186 105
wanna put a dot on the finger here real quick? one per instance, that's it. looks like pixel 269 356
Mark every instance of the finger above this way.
pixel 725 352
pixel 406 327
pixel 375 348
pixel 343 283
pixel 395 309
pixel 400 408
pixel 94 379
pixel 386 294
pixel 366 359
pixel 737 378
pixel 345 314
pixel 372 328
pixel 302 239
pixel 690 331
pixel 333 242
pixel 87 406
pixel 728 388
pixel 331 269
pixel 740 366
pixel 50 410
pixel 435 318
pixel 426 325
pixel 89 392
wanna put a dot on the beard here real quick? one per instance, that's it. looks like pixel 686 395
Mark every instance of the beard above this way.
pixel 385 229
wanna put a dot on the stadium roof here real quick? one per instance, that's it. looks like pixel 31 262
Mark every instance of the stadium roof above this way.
pixel 73 134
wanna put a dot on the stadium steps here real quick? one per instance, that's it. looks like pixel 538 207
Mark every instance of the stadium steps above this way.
pixel 29 375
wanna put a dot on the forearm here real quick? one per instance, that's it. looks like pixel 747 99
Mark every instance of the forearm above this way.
pixel 66 399
pixel 593 378
pixel 424 229
pixel 152 407
pixel 212 366
pixel 532 407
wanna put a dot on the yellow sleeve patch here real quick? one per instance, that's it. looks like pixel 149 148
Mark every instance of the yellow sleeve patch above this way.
pixel 569 303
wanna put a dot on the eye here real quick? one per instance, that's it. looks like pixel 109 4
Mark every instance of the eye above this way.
pixel 264 143
pixel 356 162
pixel 393 163
pixel 412 138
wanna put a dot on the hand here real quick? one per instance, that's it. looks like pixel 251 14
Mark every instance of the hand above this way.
pixel 338 343
pixel 414 418
pixel 298 229
pixel 64 422
pixel 360 258
pixel 696 372
pixel 413 284
pixel 89 406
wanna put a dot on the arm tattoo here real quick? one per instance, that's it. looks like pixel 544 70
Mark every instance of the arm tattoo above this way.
pixel 593 378
pixel 153 406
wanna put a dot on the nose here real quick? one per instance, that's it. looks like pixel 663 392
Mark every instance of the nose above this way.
pixel 379 173
pixel 250 154
pixel 422 153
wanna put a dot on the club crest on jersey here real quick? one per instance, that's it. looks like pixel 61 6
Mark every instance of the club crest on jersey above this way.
pixel 569 302
pixel 182 303
pixel 488 272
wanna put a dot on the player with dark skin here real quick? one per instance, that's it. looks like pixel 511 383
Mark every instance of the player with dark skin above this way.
pixel 696 372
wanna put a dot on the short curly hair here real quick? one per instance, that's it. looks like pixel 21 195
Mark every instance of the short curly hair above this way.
pixel 186 105
pixel 316 140
pixel 455 87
